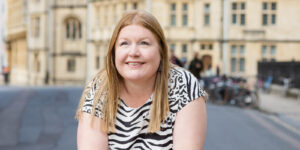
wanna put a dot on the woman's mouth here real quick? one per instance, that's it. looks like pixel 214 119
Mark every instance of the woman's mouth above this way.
pixel 134 64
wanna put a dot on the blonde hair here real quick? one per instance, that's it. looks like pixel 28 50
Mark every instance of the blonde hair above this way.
pixel 110 77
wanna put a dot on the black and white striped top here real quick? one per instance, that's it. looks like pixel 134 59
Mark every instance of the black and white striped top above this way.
pixel 131 123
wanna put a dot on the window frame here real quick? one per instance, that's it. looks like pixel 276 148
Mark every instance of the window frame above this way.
pixel 73 29
pixel 173 17
pixel 184 48
pixel 185 14
pixel 269 16
pixel 207 14
pixel 71 65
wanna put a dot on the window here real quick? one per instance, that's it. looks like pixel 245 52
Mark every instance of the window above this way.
pixel 233 64
pixel 264 50
pixel 237 58
pixel 79 30
pixel 242 64
pixel 184 48
pixel 135 5
pixel 265 6
pixel 233 50
pixel 206 20
pixel 243 6
pixel 242 19
pixel 173 7
pixel 125 6
pixel 273 6
pixel 206 46
pixel 73 29
pixel 203 46
pixel 233 20
pixel 173 14
pixel 234 6
pixel 97 61
pixel 242 50
pixel 207 8
pixel 273 50
pixel 265 19
pixel 210 46
pixel 184 20
pixel 268 52
pixel 273 19
pixel 238 13
pixel 269 13
pixel 185 14
pixel 173 20
pixel 36 62
pixel 207 15
pixel 35 26
pixel 185 7
pixel 173 47
pixel 67 30
pixel 71 65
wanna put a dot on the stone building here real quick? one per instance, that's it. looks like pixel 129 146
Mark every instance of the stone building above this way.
pixel 56 41
pixel 231 34
pixel 3 58
pixel 16 44
pixel 65 41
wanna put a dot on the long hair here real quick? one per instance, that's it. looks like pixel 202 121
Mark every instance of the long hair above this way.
pixel 111 78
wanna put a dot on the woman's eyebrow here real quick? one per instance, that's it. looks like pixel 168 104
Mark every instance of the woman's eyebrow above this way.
pixel 142 38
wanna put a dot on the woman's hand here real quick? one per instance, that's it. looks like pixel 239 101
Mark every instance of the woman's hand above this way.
pixel 90 136
pixel 190 126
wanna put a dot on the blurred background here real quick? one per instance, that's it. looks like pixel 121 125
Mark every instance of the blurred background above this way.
pixel 245 53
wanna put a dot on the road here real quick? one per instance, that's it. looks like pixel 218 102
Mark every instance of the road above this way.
pixel 42 118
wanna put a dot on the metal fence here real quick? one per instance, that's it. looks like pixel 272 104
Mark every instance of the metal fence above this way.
pixel 279 71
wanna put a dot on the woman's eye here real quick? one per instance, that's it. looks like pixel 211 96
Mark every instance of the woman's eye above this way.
pixel 123 43
pixel 144 43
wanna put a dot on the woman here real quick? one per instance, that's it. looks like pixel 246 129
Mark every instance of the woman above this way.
pixel 136 99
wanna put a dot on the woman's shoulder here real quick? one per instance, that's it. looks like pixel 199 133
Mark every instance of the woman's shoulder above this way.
pixel 92 85
pixel 91 95
pixel 176 72
pixel 183 87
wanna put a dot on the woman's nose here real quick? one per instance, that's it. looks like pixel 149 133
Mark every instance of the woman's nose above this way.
pixel 134 50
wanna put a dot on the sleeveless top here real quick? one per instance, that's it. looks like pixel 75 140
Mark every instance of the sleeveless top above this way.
pixel 132 123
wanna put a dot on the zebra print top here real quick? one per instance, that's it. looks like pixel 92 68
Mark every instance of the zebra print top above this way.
pixel 131 123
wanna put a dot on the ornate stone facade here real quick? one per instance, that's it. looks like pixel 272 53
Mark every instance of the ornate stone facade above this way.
pixel 65 41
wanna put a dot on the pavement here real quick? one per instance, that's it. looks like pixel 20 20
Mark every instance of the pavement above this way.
pixel 24 119
pixel 38 118
pixel 281 109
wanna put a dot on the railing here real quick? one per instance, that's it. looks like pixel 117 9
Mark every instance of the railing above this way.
pixel 280 71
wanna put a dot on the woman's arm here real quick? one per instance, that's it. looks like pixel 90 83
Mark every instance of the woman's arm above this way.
pixel 89 136
pixel 190 126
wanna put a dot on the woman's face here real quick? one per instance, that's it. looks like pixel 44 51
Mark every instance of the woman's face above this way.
pixel 137 55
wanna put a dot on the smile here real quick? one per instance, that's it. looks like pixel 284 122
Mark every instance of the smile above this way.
pixel 134 64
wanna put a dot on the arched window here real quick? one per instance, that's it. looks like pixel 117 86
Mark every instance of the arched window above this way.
pixel 73 29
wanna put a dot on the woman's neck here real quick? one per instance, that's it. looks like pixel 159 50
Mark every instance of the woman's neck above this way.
pixel 135 94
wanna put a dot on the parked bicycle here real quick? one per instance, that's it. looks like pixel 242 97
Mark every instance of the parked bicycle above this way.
pixel 232 90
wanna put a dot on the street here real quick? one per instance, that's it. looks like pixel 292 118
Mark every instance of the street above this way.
pixel 42 118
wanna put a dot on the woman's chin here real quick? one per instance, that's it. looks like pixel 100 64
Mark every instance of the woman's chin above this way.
pixel 133 78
